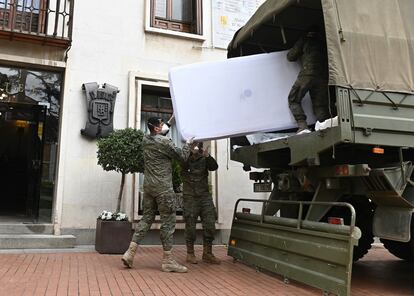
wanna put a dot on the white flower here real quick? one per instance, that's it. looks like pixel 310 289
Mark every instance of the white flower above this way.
pixel 106 215
pixel 121 216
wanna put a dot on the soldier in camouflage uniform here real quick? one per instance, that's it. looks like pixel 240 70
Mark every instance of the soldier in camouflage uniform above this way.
pixel 313 77
pixel 198 202
pixel 159 151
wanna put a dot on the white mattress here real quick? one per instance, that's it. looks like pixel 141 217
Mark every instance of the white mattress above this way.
pixel 238 96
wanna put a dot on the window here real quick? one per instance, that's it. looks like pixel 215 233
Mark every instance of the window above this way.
pixel 177 15
pixel 23 15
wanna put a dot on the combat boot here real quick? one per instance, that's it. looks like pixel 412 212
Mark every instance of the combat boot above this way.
pixel 208 256
pixel 128 257
pixel 302 127
pixel 170 265
pixel 191 258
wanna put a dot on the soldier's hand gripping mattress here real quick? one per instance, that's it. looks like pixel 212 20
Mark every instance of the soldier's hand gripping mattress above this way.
pixel 235 97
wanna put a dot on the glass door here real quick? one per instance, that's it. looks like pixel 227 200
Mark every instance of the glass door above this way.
pixel 21 150
pixel 29 133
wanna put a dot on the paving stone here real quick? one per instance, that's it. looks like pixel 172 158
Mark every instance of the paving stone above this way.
pixel 379 273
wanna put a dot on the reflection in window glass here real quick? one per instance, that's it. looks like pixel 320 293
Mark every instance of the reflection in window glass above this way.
pixel 3 4
pixel 28 5
pixel 161 8
pixel 182 10
pixel 156 103
pixel 38 88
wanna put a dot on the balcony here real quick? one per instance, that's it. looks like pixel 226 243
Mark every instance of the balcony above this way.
pixel 47 22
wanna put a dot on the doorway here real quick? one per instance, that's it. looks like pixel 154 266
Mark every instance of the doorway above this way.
pixel 21 150
pixel 29 131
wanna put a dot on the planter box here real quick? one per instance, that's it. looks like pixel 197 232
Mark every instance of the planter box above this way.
pixel 112 237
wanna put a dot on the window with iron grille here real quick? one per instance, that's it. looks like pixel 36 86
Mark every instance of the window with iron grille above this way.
pixel 177 15
pixel 48 22
pixel 23 15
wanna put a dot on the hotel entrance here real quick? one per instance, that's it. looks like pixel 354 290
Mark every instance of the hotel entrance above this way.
pixel 29 124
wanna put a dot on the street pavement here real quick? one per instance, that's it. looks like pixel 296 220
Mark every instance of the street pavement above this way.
pixel 90 273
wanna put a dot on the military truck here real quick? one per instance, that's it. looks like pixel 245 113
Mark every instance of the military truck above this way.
pixel 366 160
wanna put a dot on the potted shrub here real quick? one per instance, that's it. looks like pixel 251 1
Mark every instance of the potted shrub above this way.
pixel 121 151
pixel 177 185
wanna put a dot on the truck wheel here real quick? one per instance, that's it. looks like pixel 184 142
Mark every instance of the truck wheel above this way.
pixel 364 210
pixel 402 250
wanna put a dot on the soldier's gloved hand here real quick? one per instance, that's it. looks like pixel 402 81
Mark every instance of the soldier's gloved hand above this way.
pixel 190 141
pixel 171 121
pixel 206 153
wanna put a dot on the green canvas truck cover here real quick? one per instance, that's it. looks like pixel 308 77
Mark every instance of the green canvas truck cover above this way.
pixel 370 42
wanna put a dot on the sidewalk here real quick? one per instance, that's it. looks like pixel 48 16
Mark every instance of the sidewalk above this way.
pixel 94 274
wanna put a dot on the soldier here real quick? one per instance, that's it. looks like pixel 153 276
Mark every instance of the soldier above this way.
pixel 159 151
pixel 198 202
pixel 313 77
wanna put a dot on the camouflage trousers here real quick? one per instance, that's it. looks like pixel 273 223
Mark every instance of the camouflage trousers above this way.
pixel 203 207
pixel 166 204
pixel 318 90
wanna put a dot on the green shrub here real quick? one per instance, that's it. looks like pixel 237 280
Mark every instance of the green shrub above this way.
pixel 122 152
pixel 176 175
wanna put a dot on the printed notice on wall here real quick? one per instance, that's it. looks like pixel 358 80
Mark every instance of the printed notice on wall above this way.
pixel 229 16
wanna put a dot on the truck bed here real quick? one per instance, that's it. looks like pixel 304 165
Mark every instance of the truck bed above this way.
pixel 366 119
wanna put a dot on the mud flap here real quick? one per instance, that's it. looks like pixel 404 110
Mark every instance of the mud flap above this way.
pixel 393 223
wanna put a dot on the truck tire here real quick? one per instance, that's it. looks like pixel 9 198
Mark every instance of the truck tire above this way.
pixel 364 210
pixel 402 250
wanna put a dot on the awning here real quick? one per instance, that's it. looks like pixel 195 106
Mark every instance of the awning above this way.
pixel 370 43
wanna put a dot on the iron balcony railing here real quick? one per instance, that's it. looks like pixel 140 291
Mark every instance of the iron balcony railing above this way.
pixel 47 21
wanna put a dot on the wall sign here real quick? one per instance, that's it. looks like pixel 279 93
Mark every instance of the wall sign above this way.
pixel 229 16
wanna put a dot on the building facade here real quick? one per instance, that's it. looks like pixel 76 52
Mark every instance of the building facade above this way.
pixel 48 50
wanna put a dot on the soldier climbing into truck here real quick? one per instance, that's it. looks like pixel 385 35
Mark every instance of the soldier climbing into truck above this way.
pixel 313 77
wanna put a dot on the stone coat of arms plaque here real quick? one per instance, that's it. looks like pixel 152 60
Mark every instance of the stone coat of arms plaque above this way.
pixel 100 102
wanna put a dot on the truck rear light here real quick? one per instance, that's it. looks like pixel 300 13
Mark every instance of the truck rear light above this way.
pixel 336 220
pixel 232 242
pixel 246 210
pixel 378 150
pixel 256 176
pixel 342 170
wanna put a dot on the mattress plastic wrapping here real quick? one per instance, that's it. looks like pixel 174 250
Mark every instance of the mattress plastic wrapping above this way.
pixel 235 97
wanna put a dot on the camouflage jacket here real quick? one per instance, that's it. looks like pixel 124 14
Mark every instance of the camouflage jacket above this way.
pixel 159 151
pixel 313 54
pixel 195 175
